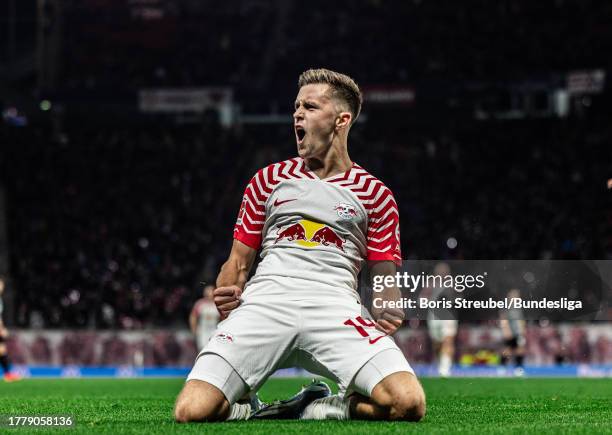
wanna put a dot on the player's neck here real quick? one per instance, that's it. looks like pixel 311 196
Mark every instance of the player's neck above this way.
pixel 334 162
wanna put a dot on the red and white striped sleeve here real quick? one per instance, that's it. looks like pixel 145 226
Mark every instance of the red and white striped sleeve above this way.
pixel 383 229
pixel 252 215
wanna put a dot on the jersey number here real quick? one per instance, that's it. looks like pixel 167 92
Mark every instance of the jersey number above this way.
pixel 358 323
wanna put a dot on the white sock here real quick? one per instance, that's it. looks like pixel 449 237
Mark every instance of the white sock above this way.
pixel 239 411
pixel 445 365
pixel 327 408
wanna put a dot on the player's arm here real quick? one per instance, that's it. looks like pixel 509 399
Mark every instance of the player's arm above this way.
pixel 388 320
pixel 384 255
pixel 232 278
pixel 247 241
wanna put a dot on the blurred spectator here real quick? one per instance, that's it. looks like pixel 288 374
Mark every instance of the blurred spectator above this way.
pixel 77 348
pixel 114 351
pixel 40 351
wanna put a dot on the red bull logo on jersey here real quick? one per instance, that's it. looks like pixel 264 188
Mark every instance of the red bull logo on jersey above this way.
pixel 292 233
pixel 310 234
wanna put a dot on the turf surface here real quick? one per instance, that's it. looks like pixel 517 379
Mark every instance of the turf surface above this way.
pixel 465 405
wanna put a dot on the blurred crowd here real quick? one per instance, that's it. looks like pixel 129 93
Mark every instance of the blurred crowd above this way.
pixel 125 45
pixel 153 349
pixel 117 227
pixel 546 345
pixel 116 224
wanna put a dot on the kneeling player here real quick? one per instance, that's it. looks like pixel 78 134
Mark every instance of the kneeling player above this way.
pixel 317 218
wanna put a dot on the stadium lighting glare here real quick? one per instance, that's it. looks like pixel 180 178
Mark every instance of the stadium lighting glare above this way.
pixel 451 243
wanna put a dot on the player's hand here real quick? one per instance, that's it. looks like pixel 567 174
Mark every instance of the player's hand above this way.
pixel 227 299
pixel 390 320
pixel 4 332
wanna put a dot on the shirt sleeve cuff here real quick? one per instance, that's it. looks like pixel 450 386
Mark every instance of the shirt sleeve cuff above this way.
pixel 251 240
pixel 384 256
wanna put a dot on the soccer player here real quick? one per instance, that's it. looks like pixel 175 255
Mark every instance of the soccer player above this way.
pixel 317 219
pixel 512 323
pixel 4 359
pixel 442 328
pixel 204 317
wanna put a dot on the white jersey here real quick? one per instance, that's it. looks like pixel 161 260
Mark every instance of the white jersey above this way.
pixel 315 236
pixel 319 230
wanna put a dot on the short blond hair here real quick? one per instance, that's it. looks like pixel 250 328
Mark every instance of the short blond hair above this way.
pixel 342 86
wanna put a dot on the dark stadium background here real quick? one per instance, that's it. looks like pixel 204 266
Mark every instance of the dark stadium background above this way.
pixel 490 121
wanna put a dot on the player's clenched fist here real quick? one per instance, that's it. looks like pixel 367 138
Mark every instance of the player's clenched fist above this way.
pixel 227 299
pixel 389 320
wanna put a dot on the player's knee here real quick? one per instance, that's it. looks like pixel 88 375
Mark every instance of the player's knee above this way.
pixel 185 411
pixel 409 406
pixel 196 405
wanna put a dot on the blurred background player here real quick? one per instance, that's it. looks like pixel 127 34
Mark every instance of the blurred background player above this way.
pixel 4 359
pixel 204 317
pixel 512 323
pixel 442 328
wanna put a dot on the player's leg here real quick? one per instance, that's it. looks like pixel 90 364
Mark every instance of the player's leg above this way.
pixel 436 346
pixel 240 356
pixel 344 339
pixel 397 397
pixel 387 389
pixel 447 348
pixel 508 350
pixel 211 392
pixel 519 355
pixel 435 333
pixel 5 362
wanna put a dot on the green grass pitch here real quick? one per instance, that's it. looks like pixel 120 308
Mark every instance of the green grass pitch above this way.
pixel 466 405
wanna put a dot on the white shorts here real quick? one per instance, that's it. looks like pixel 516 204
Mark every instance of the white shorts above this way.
pixel 333 337
pixel 439 329
pixel 213 369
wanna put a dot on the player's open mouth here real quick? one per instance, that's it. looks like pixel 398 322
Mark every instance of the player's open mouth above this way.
pixel 300 133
